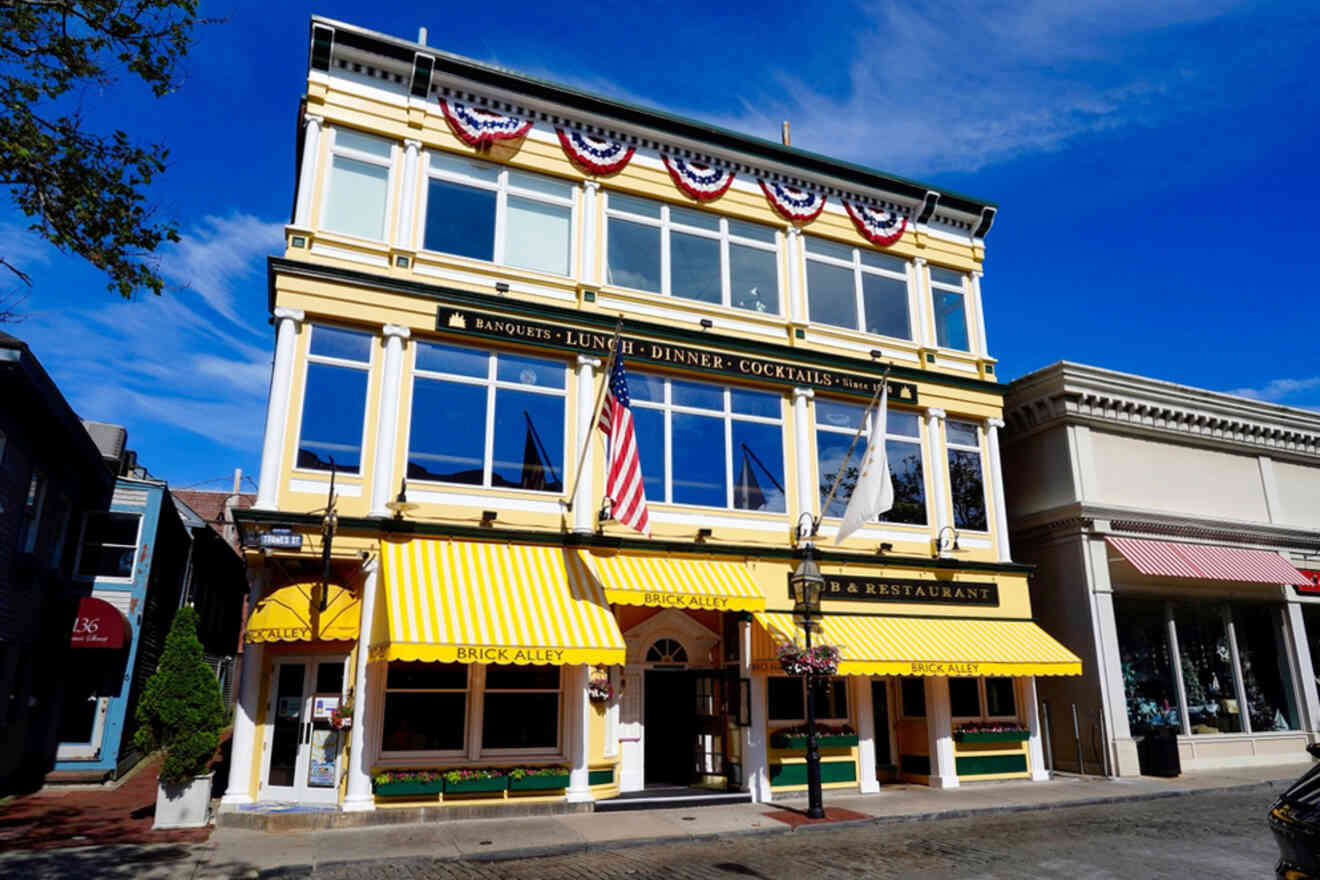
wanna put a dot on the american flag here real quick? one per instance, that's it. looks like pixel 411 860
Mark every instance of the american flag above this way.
pixel 623 477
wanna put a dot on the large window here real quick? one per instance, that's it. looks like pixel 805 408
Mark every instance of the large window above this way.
pixel 425 707
pixel 836 424
pixel 109 545
pixel 521 708
pixel 335 400
pixel 358 187
pixel 1207 669
pixel 982 699
pixel 786 700
pixel 682 427
pixel 857 288
pixel 502 215
pixel 965 482
pixel 1143 650
pixel 692 254
pixel 487 419
pixel 948 293
pixel 1271 704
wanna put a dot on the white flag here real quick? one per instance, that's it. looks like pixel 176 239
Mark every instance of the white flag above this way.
pixel 874 492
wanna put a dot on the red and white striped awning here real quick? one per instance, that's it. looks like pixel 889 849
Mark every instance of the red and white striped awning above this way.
pixel 1207 562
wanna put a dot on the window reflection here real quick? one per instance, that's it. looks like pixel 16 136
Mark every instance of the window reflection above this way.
pixel 836 425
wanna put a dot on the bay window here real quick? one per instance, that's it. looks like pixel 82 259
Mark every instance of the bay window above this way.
pixel 484 418
pixel 949 296
pixel 836 424
pixel 709 446
pixel 357 184
pixel 334 405
pixel 857 288
pixel 682 252
pixel 502 215
pixel 965 481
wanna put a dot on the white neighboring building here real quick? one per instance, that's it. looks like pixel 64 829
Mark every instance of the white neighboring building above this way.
pixel 1175 530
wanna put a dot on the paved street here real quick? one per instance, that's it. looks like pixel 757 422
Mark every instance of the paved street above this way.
pixel 1210 834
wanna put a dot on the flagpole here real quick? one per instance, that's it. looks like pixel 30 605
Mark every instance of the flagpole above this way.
pixel 595 412
pixel 884 380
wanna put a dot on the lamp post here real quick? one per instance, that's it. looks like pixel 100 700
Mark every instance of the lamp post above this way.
pixel 807 583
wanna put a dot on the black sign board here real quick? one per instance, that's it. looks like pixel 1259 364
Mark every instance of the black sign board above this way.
pixel 474 323
pixel 870 589
pixel 275 539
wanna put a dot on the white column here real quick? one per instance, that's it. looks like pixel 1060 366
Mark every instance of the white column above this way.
pixel 939 729
pixel 387 423
pixel 992 427
pixel 588 252
pixel 277 406
pixel 302 214
pixel 579 727
pixel 866 734
pixel 939 468
pixel 981 342
pixel 925 333
pixel 358 798
pixel 757 767
pixel 1239 685
pixel 583 512
pixel 1294 623
pixel 797 305
pixel 1175 658
pixel 403 232
pixel 238 791
pixel 804 470
pixel 1035 747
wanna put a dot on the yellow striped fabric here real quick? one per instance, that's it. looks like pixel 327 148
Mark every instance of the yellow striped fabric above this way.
pixel 677 582
pixel 931 646
pixel 476 602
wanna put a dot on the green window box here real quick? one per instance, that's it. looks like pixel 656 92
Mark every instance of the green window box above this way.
pixel 475 786
pixel 825 741
pixel 408 789
pixel 996 736
pixel 539 783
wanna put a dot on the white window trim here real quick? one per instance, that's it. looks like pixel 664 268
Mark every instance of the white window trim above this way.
pixel 82 534
pixel 858 269
pixel 502 189
pixel 492 383
pixel 722 235
pixel 965 290
pixel 367 366
pixel 335 149
pixel 919 441
pixel 728 417
pixel 949 448
pixel 820 719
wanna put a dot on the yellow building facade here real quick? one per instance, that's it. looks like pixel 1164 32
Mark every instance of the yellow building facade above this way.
pixel 473 625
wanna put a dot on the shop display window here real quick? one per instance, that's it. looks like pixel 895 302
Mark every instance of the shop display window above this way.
pixel 521 708
pixel 965 481
pixel 857 288
pixel 836 424
pixel 1000 698
pixel 787 702
pixel 982 698
pixel 1207 669
pixel 425 707
pixel 1143 648
pixel 964 697
pixel 914 697
pixel 1265 677
pixel 334 400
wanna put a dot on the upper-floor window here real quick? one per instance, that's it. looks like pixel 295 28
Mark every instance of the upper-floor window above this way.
pixel 358 186
pixel 836 425
pixel 692 254
pixel 857 288
pixel 109 544
pixel 335 399
pixel 502 215
pixel 949 297
pixel 36 499
pixel 707 445
pixel 965 483
pixel 487 419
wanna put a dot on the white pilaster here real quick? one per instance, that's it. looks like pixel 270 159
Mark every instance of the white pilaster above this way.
pixel 277 406
pixel 1239 685
pixel 403 232
pixel 1035 748
pixel 939 729
pixel 387 424
pixel 1179 685
pixel 939 468
pixel 302 214
pixel 589 256
pixel 583 513
pixel 797 304
pixel 992 427
pixel 238 791
pixel 757 766
pixel 921 281
pixel 578 704
pixel 1109 665
pixel 981 343
pixel 1270 487
pixel 358 797
pixel 866 734
pixel 804 467
pixel 1304 671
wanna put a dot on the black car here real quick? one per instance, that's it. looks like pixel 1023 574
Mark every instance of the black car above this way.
pixel 1295 821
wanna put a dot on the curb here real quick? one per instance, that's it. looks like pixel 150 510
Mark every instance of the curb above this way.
pixel 288 872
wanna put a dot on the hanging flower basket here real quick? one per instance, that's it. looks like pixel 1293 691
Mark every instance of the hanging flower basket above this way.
pixel 342 718
pixel 598 686
pixel 820 660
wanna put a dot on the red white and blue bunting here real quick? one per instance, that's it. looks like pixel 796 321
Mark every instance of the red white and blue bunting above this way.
pixel 876 226
pixel 701 181
pixel 797 205
pixel 481 128
pixel 597 155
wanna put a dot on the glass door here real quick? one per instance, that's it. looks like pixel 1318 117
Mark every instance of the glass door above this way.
pixel 880 707
pixel 302 750
pixel 708 749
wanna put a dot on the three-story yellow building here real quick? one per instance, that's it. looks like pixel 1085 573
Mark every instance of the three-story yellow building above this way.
pixel 465 241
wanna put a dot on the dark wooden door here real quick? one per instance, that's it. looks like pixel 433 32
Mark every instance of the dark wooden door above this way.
pixel 670 725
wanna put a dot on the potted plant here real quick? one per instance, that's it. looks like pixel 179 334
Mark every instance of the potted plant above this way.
pixel 538 778
pixel 182 713
pixel 341 718
pixel 827 736
pixel 990 732
pixel 475 780
pixel 820 660
pixel 404 783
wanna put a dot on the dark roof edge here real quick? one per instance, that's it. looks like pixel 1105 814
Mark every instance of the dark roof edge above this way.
pixel 503 78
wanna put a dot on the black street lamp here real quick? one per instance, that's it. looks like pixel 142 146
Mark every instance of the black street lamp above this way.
pixel 806 585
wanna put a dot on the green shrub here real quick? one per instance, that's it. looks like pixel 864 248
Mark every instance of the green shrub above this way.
pixel 181 710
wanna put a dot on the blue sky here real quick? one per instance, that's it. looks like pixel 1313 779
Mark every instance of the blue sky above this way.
pixel 1154 165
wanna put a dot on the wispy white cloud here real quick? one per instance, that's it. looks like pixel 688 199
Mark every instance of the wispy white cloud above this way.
pixel 209 258
pixel 1282 390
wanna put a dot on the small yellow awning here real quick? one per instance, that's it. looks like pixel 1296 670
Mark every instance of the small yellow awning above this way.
pixel 293 614
pixel 931 646
pixel 477 602
pixel 677 582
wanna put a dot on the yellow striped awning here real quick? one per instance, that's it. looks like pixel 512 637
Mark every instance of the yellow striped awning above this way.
pixel 677 582
pixel 931 646
pixel 476 602
pixel 293 613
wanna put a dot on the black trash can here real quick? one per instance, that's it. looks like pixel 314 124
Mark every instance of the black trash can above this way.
pixel 1157 753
